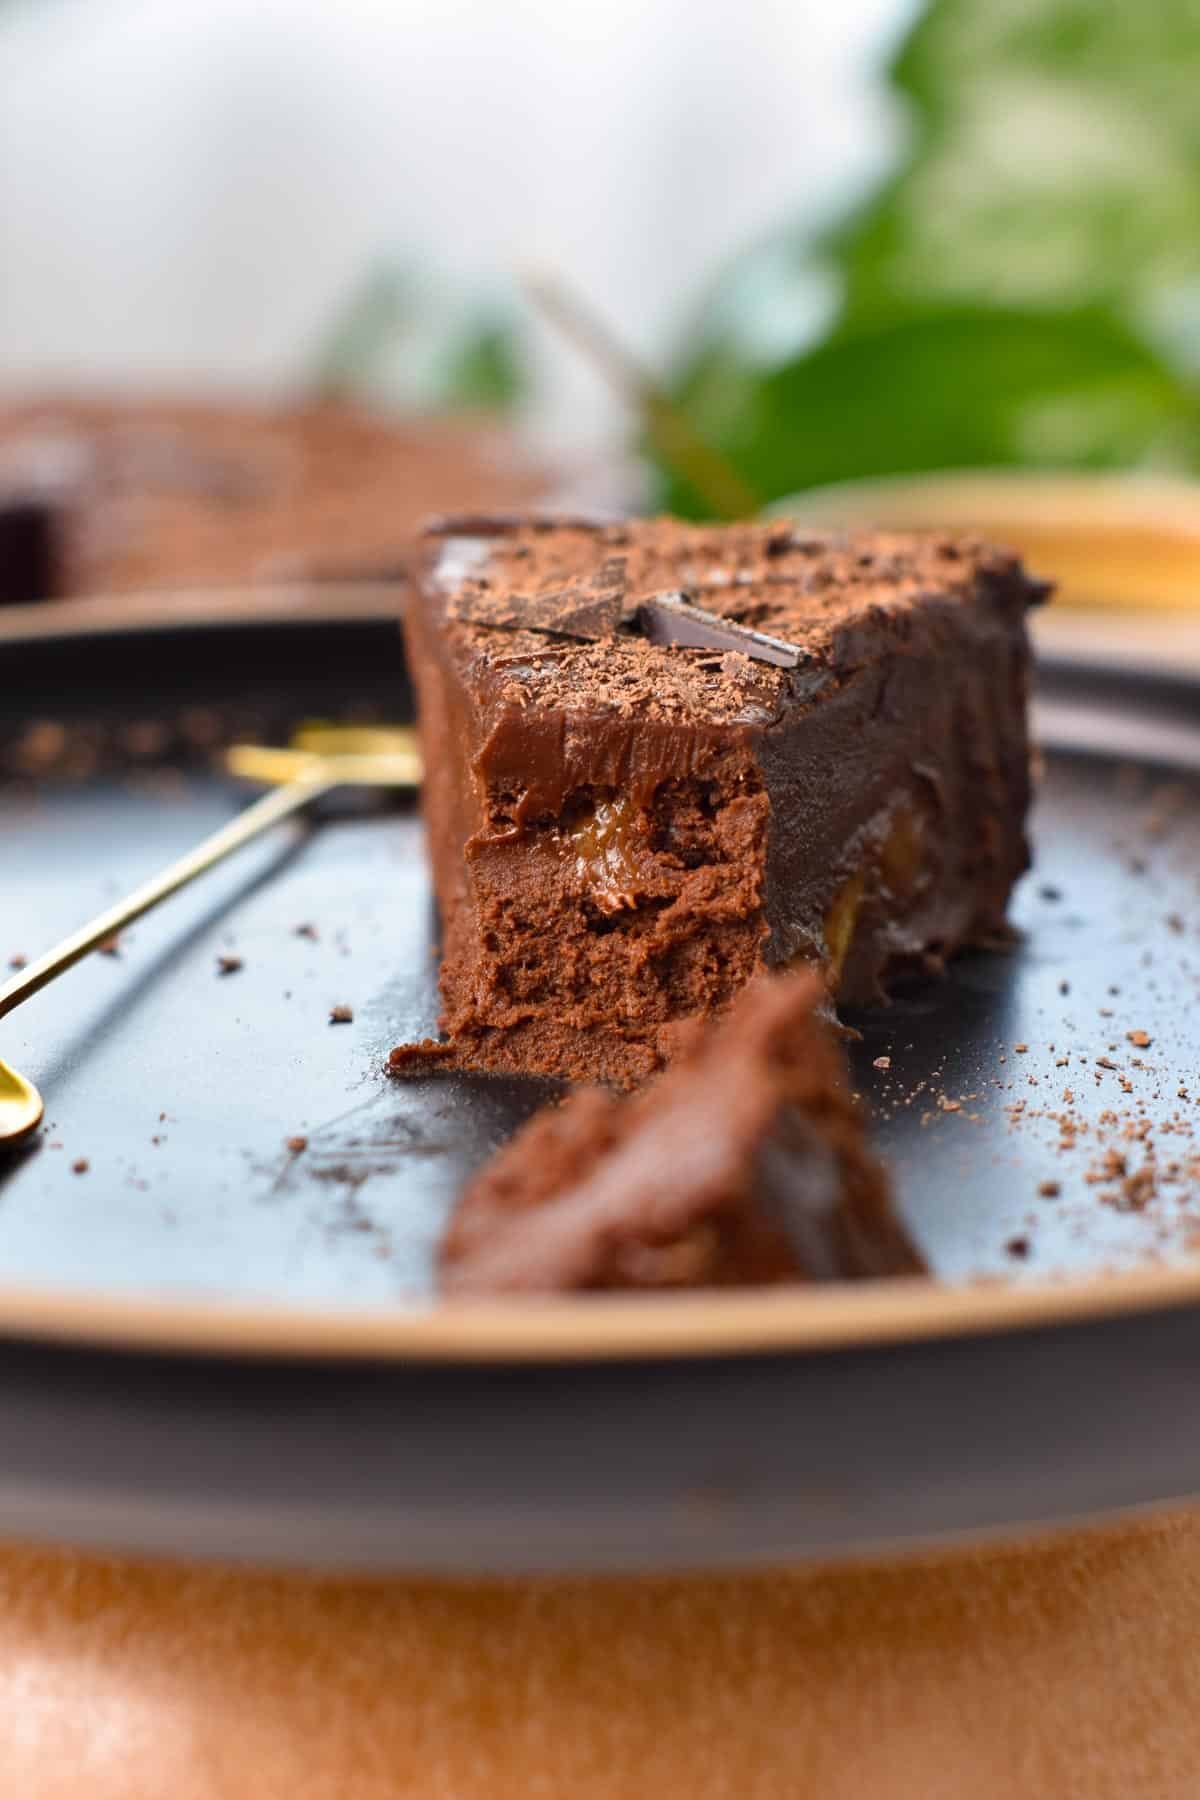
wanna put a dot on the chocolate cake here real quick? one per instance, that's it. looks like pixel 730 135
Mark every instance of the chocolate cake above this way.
pixel 661 758
pixel 744 1163
pixel 121 496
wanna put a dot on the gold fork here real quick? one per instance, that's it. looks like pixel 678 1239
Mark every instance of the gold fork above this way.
pixel 320 758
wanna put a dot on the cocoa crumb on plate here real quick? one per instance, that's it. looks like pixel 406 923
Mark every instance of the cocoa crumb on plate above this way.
pixel 427 1056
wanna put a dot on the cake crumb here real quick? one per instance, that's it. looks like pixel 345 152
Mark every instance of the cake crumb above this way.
pixel 229 965
pixel 1018 1247
pixel 1049 1190
pixel 80 1166
pixel 341 1015
pixel 421 1058
pixel 17 960
pixel 882 1062
pixel 306 931
pixel 297 1145
pixel 1137 1189
pixel 1141 1039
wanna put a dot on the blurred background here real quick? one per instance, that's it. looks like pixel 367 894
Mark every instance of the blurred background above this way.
pixel 874 239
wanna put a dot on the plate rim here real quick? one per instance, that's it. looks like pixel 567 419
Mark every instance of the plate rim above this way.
pixel 589 1328
pixel 745 1322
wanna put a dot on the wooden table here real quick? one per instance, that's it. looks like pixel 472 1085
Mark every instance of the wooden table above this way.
pixel 1066 1667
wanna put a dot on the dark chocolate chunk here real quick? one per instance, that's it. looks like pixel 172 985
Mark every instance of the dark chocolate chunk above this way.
pixel 673 619
pixel 589 609
pixel 805 543
pixel 503 524
pixel 482 525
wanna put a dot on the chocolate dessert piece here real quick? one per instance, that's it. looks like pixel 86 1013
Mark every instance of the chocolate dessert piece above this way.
pixel 744 1163
pixel 176 493
pixel 766 748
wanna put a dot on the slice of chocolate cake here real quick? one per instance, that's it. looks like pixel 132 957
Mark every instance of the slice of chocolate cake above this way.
pixel 661 758
pixel 177 493
pixel 744 1163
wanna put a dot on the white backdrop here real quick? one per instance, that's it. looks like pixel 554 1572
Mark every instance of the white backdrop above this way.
pixel 189 187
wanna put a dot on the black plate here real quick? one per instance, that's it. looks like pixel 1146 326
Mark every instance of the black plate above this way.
pixel 194 1225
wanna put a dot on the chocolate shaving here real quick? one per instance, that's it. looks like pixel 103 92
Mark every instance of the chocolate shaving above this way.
pixel 588 610
pixel 808 543
pixel 504 524
pixel 472 525
pixel 673 619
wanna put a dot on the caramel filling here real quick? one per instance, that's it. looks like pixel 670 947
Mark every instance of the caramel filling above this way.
pixel 897 865
pixel 901 855
pixel 840 921
pixel 604 844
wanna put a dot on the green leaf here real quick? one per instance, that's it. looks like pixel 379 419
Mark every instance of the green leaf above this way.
pixel 960 387
pixel 405 338
pixel 1023 290
pixel 364 333
pixel 1055 161
pixel 485 371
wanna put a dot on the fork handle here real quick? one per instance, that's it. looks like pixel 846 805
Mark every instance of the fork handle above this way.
pixel 270 810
